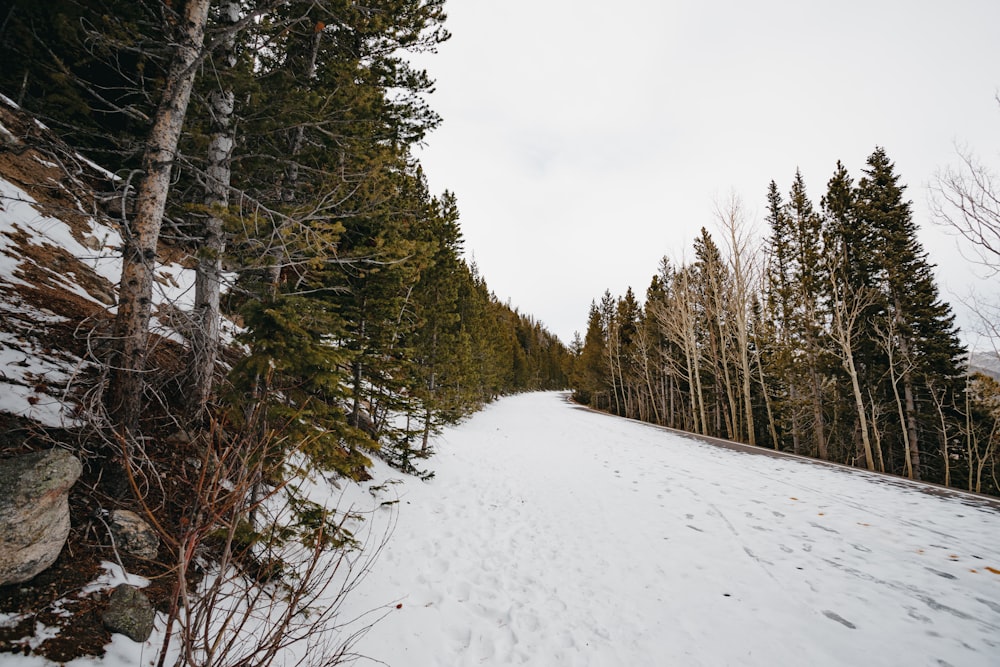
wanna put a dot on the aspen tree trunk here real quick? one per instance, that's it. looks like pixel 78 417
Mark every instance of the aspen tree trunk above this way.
pixel 732 418
pixel 913 445
pixel 945 461
pixel 131 330
pixel 612 348
pixel 767 397
pixel 908 463
pixel 649 387
pixel 905 404
pixel 911 424
pixel 742 263
pixel 859 404
pixel 793 394
pixel 820 422
pixel 669 404
pixel 699 393
pixel 642 337
pixel 844 316
pixel 208 272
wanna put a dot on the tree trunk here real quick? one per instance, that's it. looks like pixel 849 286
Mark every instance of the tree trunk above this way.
pixel 208 272
pixel 767 399
pixel 820 422
pixel 859 404
pixel 945 460
pixel 911 426
pixel 131 330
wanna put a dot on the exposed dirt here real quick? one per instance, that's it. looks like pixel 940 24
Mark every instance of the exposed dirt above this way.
pixel 44 318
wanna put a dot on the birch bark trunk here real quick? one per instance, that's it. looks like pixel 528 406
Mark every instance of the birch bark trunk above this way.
pixel 208 272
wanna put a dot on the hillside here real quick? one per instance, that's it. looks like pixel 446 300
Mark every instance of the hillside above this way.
pixel 59 264
pixel 987 363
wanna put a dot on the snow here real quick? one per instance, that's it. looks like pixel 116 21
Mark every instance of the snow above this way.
pixel 110 175
pixel 552 535
pixel 18 211
pixel 113 576
pixel 7 136
pixel 24 362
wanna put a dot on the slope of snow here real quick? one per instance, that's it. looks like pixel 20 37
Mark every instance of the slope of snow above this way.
pixel 554 536
pixel 551 535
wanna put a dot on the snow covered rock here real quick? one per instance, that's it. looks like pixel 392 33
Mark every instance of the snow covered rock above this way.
pixel 129 613
pixel 133 535
pixel 34 511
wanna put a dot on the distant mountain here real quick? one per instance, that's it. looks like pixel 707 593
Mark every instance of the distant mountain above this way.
pixel 987 363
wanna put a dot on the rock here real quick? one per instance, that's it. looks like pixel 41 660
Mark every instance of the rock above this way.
pixel 34 511
pixel 129 613
pixel 133 535
pixel 180 437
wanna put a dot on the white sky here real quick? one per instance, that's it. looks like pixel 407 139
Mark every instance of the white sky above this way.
pixel 585 140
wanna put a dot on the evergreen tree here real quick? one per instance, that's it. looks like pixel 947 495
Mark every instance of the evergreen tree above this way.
pixel 807 327
pixel 917 330
pixel 592 376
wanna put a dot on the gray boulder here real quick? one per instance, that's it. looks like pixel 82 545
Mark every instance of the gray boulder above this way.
pixel 133 535
pixel 34 511
pixel 129 613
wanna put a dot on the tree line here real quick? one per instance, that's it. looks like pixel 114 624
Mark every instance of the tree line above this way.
pixel 268 146
pixel 271 142
pixel 829 339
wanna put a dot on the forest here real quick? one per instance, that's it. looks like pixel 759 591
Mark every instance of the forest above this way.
pixel 270 148
pixel 827 339
pixel 271 143
pixel 267 146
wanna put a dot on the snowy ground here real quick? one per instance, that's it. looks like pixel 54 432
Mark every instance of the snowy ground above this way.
pixel 555 536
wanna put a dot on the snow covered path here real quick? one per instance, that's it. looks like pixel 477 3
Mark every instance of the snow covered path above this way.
pixel 555 536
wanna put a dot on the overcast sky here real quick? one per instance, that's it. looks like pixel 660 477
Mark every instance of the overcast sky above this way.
pixel 585 140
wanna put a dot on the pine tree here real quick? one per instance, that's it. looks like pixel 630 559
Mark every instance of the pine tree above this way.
pixel 592 375
pixel 917 330
pixel 808 280
pixel 849 301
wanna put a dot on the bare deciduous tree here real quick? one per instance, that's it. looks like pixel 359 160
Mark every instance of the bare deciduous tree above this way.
pixel 742 259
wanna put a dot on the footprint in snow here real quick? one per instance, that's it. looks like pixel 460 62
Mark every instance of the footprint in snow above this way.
pixel 829 530
pixel 916 615
pixel 990 603
pixel 939 573
pixel 833 616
